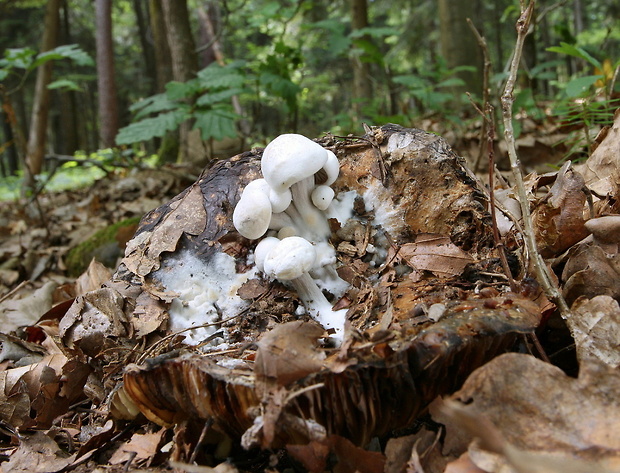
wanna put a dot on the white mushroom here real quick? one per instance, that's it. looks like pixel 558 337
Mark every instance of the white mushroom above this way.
pixel 252 213
pixel 322 196
pixel 262 250
pixel 291 260
pixel 331 168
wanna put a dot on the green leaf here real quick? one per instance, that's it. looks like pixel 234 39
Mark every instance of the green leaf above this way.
pixel 150 127
pixel 578 86
pixel 64 84
pixel 20 58
pixel 216 123
pixel 3 74
pixel 451 82
pixel 153 104
pixel 215 76
pixel 575 51
pixel 374 31
pixel 182 90
pixel 216 97
pixel 69 51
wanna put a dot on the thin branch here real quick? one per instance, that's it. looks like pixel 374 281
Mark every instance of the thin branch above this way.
pixel 536 261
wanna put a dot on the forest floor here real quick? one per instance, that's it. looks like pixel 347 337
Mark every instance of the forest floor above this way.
pixel 562 414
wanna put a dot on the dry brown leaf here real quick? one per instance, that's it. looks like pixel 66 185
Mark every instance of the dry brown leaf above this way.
pixel 602 169
pixel 590 272
pixel 22 311
pixel 288 353
pixel 140 448
pixel 149 314
pixel 37 453
pixel 545 417
pixel 558 220
pixel 93 317
pixel 93 278
pixel 187 215
pixel 595 326
pixel 435 253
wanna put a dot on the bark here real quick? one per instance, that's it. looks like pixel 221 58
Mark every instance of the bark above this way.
pixel 68 135
pixel 458 44
pixel 106 83
pixel 184 68
pixel 362 87
pixel 163 60
pixel 147 44
pixel 35 150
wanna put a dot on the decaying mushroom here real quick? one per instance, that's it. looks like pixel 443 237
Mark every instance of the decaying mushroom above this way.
pixel 329 240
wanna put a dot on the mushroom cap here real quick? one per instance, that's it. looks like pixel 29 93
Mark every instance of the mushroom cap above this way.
pixel 252 213
pixel 605 229
pixel 290 158
pixel 331 168
pixel 262 250
pixel 290 258
pixel 322 196
pixel 280 200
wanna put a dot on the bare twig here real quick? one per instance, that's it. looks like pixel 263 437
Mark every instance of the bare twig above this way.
pixel 536 261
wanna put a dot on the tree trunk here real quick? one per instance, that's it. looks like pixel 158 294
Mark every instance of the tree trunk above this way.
pixel 163 60
pixel 184 68
pixel 168 151
pixel 68 121
pixel 106 83
pixel 458 44
pixel 35 150
pixel 362 87
pixel 147 46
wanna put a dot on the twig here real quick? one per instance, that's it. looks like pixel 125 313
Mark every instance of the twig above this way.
pixel 536 261
pixel 485 88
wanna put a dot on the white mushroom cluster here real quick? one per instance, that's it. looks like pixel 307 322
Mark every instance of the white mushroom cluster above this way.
pixel 289 207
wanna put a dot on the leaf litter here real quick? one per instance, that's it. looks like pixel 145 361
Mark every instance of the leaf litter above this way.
pixel 527 414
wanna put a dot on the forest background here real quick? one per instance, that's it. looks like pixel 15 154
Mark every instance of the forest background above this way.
pixel 107 83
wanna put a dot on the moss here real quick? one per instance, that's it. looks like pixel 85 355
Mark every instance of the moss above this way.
pixel 106 246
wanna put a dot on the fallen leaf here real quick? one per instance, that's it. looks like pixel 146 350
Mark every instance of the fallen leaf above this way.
pixel 595 326
pixel 140 448
pixel 37 453
pixel 541 415
pixel 435 253
pixel 23 311
pixel 186 215
pixel 93 278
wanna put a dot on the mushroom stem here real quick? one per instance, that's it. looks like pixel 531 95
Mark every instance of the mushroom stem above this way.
pixel 317 304
pixel 313 219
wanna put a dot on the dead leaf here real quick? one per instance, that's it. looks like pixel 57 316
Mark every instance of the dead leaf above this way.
pixel 140 448
pixel 187 215
pixel 93 278
pixel 26 310
pixel 288 353
pixel 595 326
pixel 37 453
pixel 545 417
pixel 149 315
pixel 558 220
pixel 435 253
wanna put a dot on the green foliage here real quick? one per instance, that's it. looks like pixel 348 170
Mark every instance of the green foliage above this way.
pixel 26 60
pixel 205 100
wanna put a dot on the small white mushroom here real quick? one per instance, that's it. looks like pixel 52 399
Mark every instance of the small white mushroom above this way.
pixel 290 158
pixel 262 250
pixel 322 196
pixel 331 168
pixel 292 259
pixel 280 200
pixel 252 213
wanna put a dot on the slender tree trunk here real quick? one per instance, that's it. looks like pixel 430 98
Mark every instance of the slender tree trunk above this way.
pixel 106 83
pixel 148 52
pixel 68 123
pixel 169 146
pixel 184 68
pixel 35 150
pixel 362 86
pixel 458 44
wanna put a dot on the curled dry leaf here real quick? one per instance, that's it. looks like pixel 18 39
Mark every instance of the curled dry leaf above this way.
pixel 559 219
pixel 93 278
pixel 536 416
pixel 187 215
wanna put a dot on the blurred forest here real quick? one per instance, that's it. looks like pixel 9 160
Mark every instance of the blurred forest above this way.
pixel 187 80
